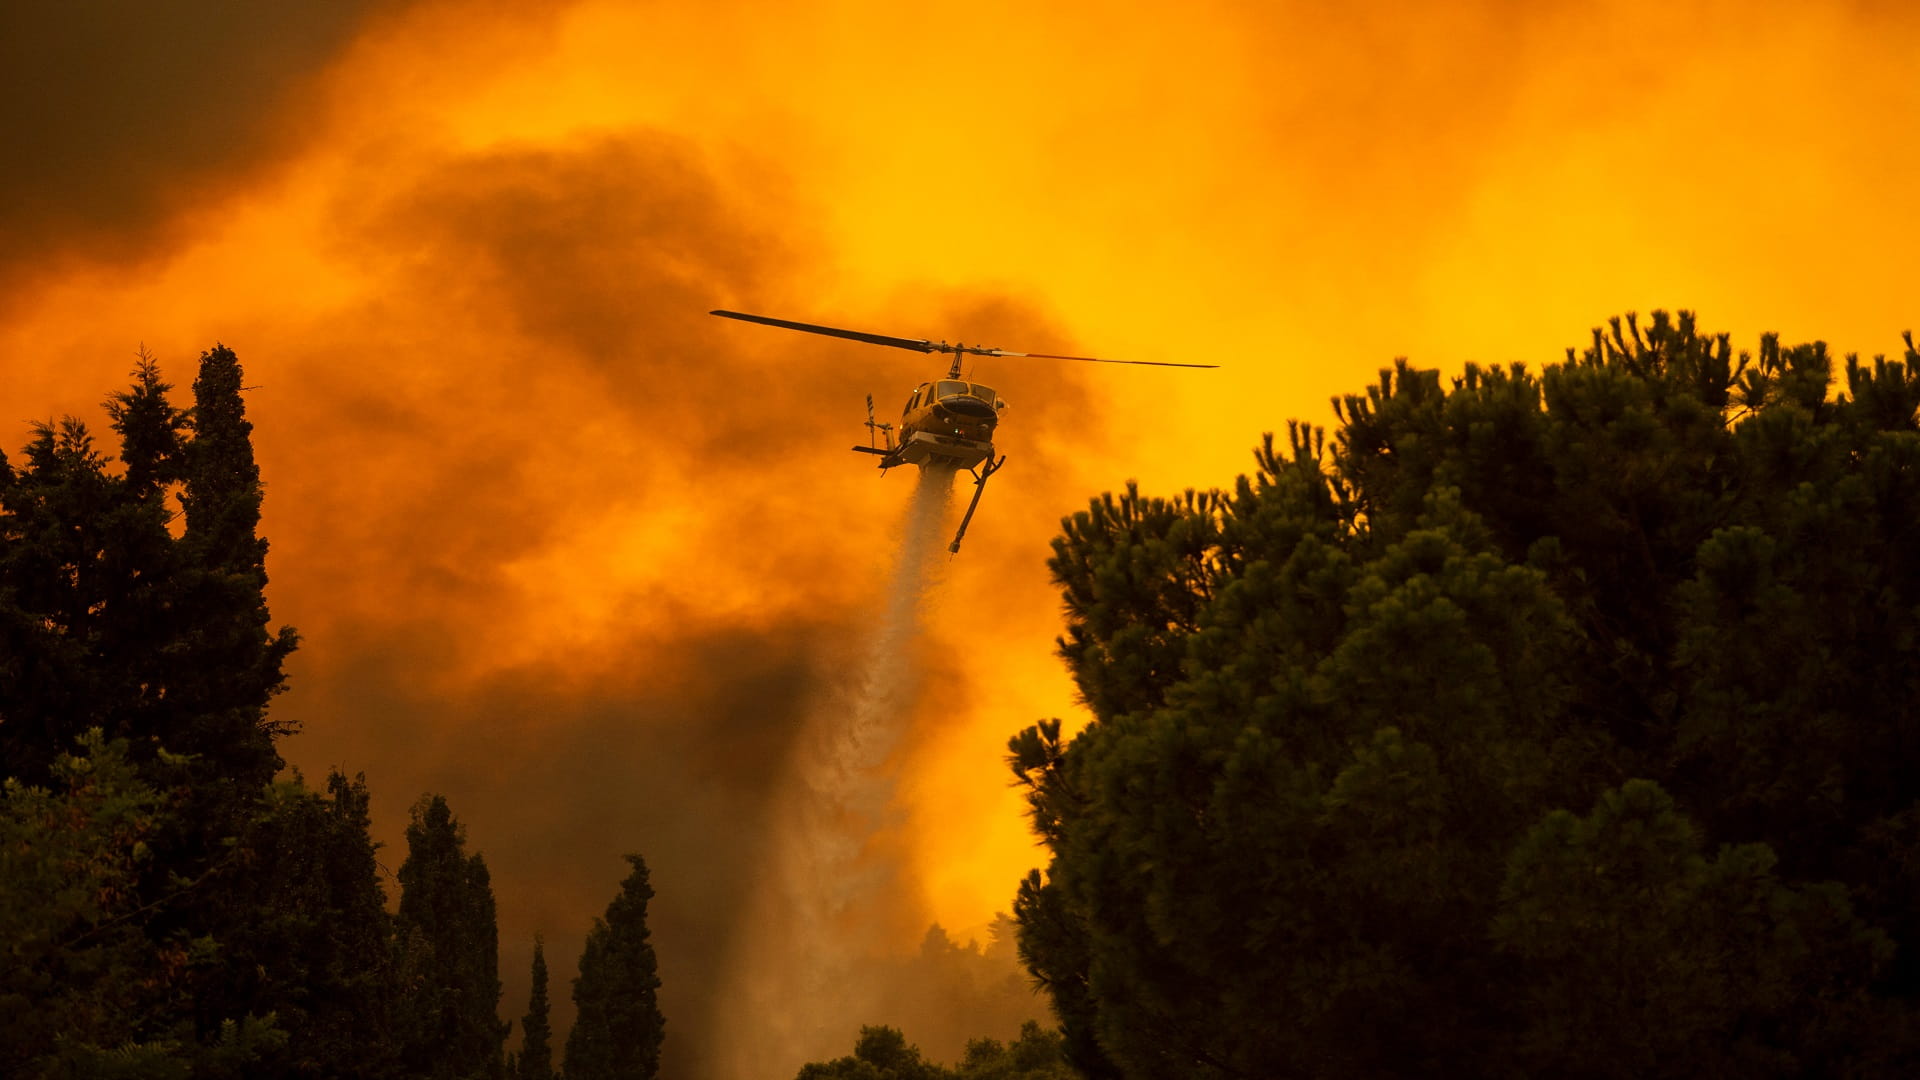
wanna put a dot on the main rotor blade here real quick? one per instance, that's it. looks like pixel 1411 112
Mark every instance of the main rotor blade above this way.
pixel 830 331
pixel 1101 360
pixel 924 346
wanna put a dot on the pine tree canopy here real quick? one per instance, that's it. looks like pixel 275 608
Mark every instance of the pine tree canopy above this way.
pixel 1556 722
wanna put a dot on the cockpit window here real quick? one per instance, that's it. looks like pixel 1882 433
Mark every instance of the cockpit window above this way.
pixel 950 388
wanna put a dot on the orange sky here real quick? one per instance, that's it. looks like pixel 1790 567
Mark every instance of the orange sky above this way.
pixel 566 549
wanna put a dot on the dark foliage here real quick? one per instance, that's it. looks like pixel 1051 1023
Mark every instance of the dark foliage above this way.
pixel 617 1028
pixel 85 988
pixel 880 1053
pixel 302 931
pixel 169 910
pixel 883 1053
pixel 446 922
pixel 1557 723
pixel 209 922
pixel 535 1060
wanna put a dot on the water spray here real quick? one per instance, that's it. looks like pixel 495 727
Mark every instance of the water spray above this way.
pixel 795 992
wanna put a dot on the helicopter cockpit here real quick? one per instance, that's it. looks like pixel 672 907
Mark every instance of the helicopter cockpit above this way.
pixel 965 398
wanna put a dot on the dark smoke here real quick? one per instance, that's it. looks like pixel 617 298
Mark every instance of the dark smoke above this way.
pixel 673 758
pixel 121 114
pixel 530 382
pixel 456 464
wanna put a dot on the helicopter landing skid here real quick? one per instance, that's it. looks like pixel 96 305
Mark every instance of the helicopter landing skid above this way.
pixel 987 469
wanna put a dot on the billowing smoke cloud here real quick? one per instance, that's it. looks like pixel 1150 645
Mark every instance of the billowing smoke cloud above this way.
pixel 674 760
pixel 589 561
pixel 120 115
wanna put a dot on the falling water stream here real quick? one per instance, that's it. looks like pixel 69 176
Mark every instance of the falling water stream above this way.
pixel 822 894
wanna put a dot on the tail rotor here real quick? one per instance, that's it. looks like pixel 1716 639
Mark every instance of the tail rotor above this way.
pixel 874 429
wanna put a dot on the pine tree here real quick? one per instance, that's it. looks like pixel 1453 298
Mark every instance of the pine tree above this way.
pixel 447 910
pixel 618 1030
pixel 1347 716
pixel 536 1042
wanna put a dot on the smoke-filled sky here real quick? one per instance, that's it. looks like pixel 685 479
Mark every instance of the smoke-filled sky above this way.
pixel 571 552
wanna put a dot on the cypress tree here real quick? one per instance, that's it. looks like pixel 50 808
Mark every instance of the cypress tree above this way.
pixel 447 910
pixel 618 1030
pixel 223 494
pixel 238 661
pixel 536 1043
pixel 303 931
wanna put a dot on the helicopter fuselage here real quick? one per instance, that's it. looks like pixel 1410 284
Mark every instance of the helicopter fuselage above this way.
pixel 949 422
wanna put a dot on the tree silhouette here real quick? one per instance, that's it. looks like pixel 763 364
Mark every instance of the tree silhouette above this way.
pixel 111 623
pixel 447 909
pixel 536 1044
pixel 167 908
pixel 617 1029
pixel 232 663
pixel 1409 751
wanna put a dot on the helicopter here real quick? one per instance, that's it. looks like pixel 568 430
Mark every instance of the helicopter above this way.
pixel 947 422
